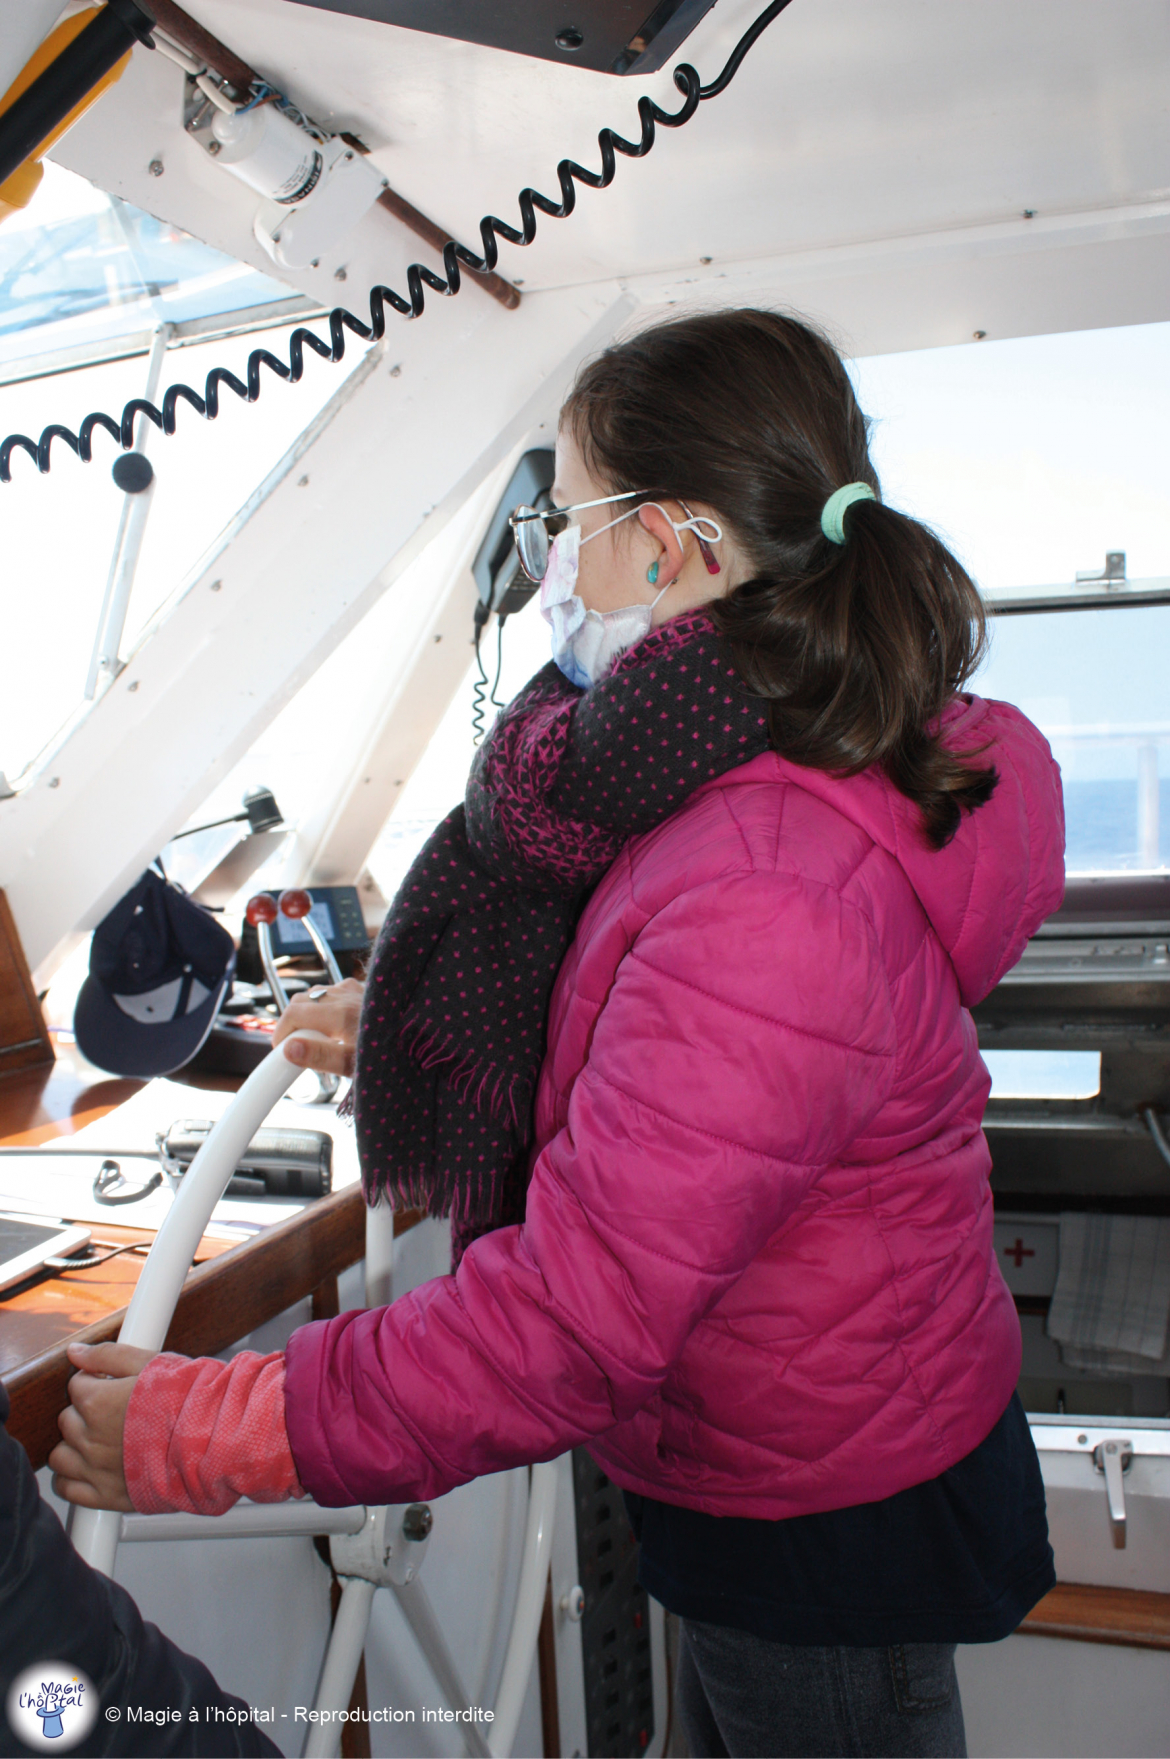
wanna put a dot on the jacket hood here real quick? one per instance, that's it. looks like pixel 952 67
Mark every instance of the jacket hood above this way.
pixel 1002 873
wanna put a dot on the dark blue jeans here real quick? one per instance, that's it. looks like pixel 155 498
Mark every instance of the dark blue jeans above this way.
pixel 742 1697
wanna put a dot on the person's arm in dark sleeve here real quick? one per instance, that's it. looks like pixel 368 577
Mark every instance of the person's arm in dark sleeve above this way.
pixel 54 1607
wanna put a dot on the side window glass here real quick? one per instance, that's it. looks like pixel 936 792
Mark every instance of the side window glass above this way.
pixel 1040 459
pixel 1097 683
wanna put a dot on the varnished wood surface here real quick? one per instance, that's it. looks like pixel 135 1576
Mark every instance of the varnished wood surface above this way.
pixel 1088 1614
pixel 38 1105
pixel 24 1038
pixel 53 1309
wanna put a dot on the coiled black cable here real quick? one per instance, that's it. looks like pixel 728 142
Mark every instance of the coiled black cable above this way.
pixel 479 686
pixel 418 278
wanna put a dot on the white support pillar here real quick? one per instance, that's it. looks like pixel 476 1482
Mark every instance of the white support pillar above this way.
pixel 388 463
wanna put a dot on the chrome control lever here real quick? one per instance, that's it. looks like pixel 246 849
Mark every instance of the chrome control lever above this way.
pixel 297 905
pixel 261 913
pixel 1114 1457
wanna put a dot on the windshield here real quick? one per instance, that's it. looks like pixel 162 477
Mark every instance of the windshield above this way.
pixel 84 277
pixel 84 273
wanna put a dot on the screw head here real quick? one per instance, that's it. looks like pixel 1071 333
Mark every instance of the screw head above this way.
pixel 156 167
pixel 705 259
pixel 214 147
pixel 570 38
pixel 978 335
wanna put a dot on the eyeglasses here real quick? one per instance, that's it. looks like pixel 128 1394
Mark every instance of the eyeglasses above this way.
pixel 530 528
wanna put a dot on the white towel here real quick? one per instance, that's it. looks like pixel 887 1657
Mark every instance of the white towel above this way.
pixel 1111 1305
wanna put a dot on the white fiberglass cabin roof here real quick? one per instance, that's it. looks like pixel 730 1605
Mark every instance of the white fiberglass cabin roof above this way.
pixel 859 138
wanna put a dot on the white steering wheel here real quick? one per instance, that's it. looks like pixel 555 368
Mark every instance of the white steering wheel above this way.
pixel 371 1547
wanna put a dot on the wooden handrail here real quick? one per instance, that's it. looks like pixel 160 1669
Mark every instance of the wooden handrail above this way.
pixel 222 1301
pixel 1090 1614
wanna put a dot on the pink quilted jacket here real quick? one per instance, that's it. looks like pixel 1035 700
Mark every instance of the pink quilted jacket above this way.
pixel 756 1273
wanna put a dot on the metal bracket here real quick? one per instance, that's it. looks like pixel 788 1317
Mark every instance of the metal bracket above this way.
pixel 1114 1457
pixel 388 1550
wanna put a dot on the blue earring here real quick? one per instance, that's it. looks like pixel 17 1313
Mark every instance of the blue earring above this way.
pixel 652 574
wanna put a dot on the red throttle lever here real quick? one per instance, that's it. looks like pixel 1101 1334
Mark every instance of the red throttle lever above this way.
pixel 261 912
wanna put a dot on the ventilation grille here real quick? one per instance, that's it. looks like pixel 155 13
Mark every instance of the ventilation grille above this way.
pixel 615 1629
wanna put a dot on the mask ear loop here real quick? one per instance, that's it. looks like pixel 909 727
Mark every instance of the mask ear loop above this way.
pixel 691 523
pixel 705 550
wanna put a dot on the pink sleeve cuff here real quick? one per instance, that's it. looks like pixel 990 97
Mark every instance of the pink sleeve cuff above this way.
pixel 200 1434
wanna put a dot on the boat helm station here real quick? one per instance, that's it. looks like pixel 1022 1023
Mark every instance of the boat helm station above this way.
pixel 291 295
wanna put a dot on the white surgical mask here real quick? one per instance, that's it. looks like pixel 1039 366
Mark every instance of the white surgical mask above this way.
pixel 586 643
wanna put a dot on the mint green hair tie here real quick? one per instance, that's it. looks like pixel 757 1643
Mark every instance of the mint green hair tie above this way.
pixel 833 511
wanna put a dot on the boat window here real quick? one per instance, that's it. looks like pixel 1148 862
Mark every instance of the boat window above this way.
pixel 1040 459
pixel 60 529
pixel 1033 457
pixel 1044 1074
pixel 1095 682
pixel 85 276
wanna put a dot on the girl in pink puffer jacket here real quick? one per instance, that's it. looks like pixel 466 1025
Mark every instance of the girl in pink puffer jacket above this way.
pixel 671 1018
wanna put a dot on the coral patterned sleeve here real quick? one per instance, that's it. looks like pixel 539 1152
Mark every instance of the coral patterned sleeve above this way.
pixel 201 1433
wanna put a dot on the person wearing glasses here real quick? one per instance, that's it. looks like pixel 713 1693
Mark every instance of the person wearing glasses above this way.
pixel 671 1017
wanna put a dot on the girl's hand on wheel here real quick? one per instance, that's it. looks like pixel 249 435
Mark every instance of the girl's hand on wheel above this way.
pixel 335 1013
pixel 87 1461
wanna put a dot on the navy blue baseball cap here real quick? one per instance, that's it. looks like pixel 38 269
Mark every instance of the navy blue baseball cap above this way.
pixel 159 971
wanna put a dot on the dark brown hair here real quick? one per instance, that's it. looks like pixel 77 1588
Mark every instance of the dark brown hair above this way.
pixel 857 647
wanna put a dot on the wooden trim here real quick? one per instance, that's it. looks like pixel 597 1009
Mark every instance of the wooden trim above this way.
pixel 182 29
pixel 221 1302
pixel 24 1037
pixel 1089 1614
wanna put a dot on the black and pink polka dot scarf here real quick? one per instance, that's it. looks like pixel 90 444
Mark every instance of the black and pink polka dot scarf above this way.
pixel 453 1026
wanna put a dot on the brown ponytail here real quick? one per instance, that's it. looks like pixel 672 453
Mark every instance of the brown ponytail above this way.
pixel 857 647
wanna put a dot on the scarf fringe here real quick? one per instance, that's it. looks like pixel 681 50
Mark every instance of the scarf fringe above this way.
pixel 464 1199
pixel 477 1081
